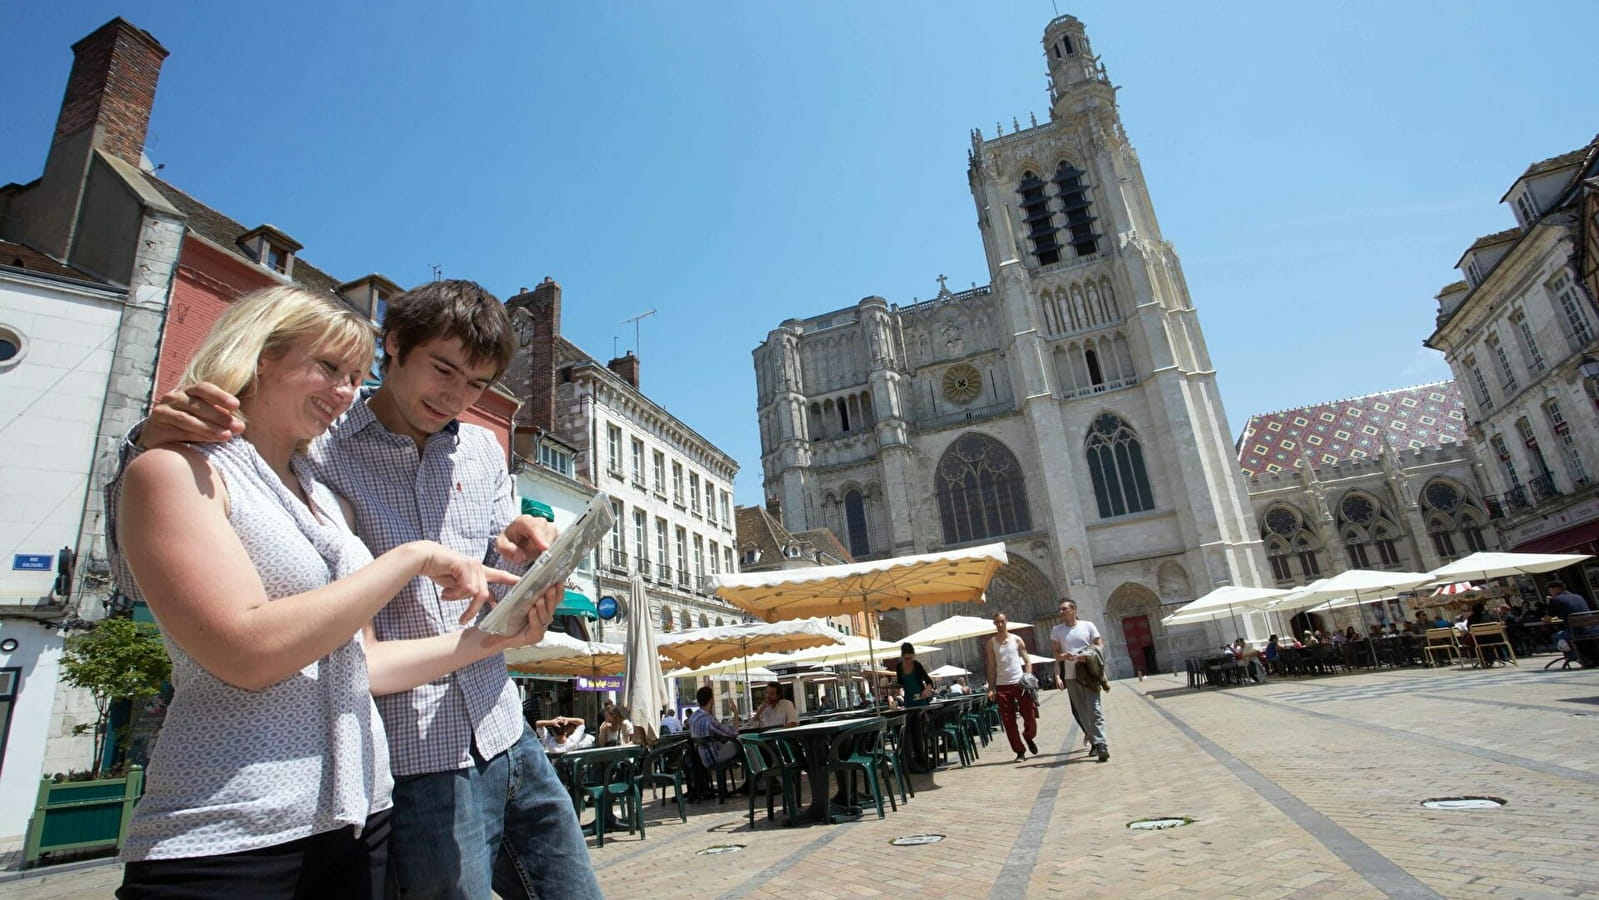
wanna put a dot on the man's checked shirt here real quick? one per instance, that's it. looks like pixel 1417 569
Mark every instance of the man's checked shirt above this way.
pixel 456 492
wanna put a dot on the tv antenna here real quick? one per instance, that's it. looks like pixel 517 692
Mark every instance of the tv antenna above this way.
pixel 638 347
pixel 438 271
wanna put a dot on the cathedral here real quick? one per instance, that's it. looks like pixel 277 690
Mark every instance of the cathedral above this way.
pixel 1068 408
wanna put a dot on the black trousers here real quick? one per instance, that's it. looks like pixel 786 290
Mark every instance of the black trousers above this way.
pixel 331 864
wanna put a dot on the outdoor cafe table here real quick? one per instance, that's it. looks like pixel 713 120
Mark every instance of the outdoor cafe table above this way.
pixel 817 739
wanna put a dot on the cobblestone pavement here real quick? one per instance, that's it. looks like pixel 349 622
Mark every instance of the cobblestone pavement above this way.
pixel 1306 787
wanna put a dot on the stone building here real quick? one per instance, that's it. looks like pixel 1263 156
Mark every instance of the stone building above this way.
pixel 1069 407
pixel 1520 331
pixel 671 489
pixel 1383 481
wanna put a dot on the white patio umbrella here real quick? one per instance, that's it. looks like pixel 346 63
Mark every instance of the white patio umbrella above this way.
pixel 956 628
pixel 703 646
pixel 948 672
pixel 1482 566
pixel 643 689
pixel 1355 586
pixel 559 654
pixel 1221 603
pixel 728 671
pixel 854 648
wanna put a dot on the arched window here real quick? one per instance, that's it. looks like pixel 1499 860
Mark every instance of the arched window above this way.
pixel 981 491
pixel 860 544
pixel 666 618
pixel 1452 513
pixel 1036 218
pixel 1116 465
pixel 1288 537
pixel 1078 208
pixel 1365 524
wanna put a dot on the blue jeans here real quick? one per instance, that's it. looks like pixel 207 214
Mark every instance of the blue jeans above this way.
pixel 506 822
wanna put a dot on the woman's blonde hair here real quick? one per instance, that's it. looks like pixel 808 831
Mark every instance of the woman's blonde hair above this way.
pixel 264 323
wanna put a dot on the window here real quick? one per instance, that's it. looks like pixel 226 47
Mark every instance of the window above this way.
pixel 1529 439
pixel 661 556
pixel 1473 273
pixel 682 554
pixel 677 483
pixel 1529 346
pixel 638 463
pixel 659 471
pixel 1037 219
pixel 1116 466
pixel 618 551
pixel 981 491
pixel 613 445
pixel 1075 204
pixel 9 678
pixel 727 559
pixel 1442 541
pixel 1527 207
pixel 694 492
pixel 1279 555
pixel 1564 292
pixel 860 542
pixel 1364 523
pixel 716 559
pixel 277 259
pixel 699 556
pixel 555 458
pixel 1505 461
pixel 710 502
pixel 1484 399
pixel 641 539
pixel 1287 537
pixel 1451 511
pixel 1507 378
pixel 1355 546
pixel 727 509
pixel 1568 444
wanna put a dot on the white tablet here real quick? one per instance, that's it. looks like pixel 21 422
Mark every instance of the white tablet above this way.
pixel 553 567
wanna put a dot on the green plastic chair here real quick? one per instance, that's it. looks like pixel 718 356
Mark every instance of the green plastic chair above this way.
pixel 855 750
pixel 612 774
pixel 762 766
pixel 664 765
pixel 891 750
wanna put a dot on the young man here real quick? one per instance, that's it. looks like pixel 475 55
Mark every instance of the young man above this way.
pixel 1007 659
pixel 1073 639
pixel 476 801
pixel 778 710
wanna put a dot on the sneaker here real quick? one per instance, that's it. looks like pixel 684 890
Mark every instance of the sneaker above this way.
pixel 1032 747
pixel 1019 757
pixel 1103 753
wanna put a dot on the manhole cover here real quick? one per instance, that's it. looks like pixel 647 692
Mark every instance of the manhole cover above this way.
pixel 915 840
pixel 1160 823
pixel 1463 803
pixel 720 848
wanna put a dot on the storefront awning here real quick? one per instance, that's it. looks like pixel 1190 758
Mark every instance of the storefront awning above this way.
pixel 537 509
pixel 1582 538
pixel 575 604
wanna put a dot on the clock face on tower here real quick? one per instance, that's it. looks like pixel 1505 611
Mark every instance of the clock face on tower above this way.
pixel 962 384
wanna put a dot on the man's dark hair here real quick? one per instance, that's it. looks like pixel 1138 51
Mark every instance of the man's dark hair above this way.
pixel 1555 584
pixel 453 308
pixel 906 649
pixel 703 696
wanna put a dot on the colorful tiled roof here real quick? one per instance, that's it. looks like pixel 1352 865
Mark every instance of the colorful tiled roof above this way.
pixel 1331 433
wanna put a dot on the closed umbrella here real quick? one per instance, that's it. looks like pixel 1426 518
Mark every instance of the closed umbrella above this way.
pixel 643 688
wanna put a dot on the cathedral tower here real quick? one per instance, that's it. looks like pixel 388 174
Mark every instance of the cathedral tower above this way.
pixel 1068 408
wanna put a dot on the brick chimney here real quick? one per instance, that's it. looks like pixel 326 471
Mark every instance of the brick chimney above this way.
pixel 537 314
pixel 110 93
pixel 627 367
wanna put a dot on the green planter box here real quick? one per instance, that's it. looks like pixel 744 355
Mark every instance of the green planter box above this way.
pixel 82 815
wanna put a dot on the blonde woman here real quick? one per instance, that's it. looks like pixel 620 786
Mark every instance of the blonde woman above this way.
pixel 271 775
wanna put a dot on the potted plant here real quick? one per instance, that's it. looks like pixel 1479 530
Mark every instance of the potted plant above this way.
pixel 119 659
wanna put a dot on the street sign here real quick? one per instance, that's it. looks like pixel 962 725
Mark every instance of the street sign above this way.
pixel 33 562
pixel 608 607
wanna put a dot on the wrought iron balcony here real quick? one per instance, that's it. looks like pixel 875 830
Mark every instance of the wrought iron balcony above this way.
pixel 1517 499
pixel 663 573
pixel 1543 487
pixel 619 560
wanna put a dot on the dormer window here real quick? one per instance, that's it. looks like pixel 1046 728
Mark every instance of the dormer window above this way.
pixel 793 551
pixel 1528 207
pixel 271 248
pixel 750 557
pixel 1473 273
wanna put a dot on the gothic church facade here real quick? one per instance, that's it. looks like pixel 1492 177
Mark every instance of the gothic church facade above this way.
pixel 1069 408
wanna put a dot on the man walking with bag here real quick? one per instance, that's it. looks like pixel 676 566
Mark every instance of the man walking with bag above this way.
pixel 1079 646
pixel 1008 663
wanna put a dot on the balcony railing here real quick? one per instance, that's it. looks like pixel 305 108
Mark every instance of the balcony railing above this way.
pixel 663 573
pixel 1517 499
pixel 644 567
pixel 1543 487
pixel 619 560
pixel 1496 507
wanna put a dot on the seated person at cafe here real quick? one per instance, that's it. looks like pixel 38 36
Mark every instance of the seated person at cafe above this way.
pixel 1563 604
pixel 616 728
pixel 1421 624
pixel 669 722
pixel 703 726
pixel 1250 657
pixel 563 734
pixel 778 711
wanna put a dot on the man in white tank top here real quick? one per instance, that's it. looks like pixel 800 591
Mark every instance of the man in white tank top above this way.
pixel 1007 661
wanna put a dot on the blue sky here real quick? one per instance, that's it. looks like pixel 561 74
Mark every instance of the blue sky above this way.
pixel 1319 167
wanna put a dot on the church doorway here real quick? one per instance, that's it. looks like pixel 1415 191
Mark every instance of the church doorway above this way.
pixel 1140 644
